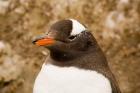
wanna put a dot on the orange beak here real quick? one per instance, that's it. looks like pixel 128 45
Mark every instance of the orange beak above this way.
pixel 44 41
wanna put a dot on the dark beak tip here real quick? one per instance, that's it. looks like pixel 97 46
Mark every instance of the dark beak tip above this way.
pixel 34 41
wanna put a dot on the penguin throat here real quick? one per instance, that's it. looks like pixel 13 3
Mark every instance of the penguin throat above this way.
pixel 88 59
pixel 62 56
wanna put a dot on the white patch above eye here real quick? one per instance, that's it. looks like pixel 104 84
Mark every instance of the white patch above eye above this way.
pixel 76 27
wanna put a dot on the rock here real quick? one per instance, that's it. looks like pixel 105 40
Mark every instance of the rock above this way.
pixel 10 64
pixel 4 4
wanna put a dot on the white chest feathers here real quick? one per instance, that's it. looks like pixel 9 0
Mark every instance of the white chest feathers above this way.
pixel 53 79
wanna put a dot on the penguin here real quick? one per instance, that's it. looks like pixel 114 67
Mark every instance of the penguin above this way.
pixel 75 64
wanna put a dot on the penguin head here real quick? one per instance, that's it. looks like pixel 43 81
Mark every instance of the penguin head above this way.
pixel 67 37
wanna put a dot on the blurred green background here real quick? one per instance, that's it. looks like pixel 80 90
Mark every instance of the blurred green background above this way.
pixel 114 23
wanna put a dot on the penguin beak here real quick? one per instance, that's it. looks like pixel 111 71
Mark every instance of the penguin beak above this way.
pixel 43 41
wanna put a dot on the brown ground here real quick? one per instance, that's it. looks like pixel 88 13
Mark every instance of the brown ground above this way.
pixel 114 23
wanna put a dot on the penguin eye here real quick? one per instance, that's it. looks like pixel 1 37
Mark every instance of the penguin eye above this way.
pixel 72 37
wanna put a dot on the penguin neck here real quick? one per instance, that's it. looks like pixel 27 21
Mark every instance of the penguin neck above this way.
pixel 91 59
pixel 62 56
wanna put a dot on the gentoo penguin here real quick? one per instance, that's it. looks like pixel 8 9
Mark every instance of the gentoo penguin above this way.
pixel 76 63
